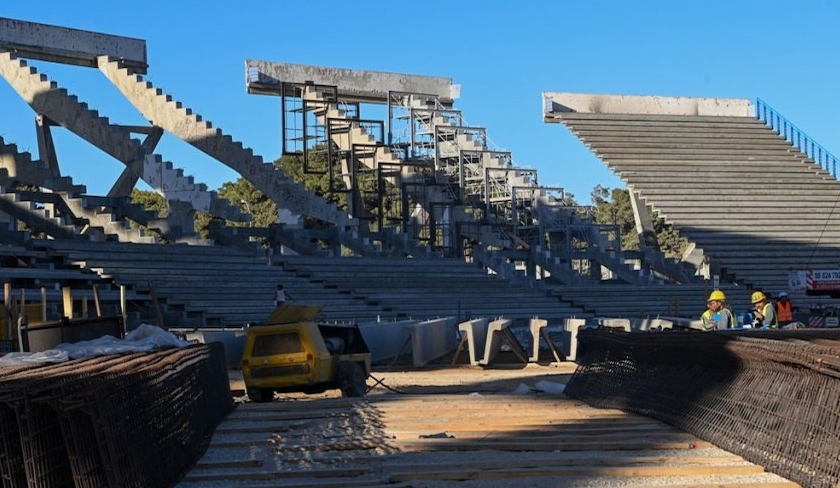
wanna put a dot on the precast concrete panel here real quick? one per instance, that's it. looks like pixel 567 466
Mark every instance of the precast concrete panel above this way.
pixel 70 46
pixel 267 76
pixel 432 339
pixel 386 339
pixel 557 103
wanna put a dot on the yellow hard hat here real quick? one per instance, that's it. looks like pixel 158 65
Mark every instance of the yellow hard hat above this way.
pixel 757 297
pixel 717 295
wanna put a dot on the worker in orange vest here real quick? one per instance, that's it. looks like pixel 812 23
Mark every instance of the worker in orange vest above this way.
pixel 784 309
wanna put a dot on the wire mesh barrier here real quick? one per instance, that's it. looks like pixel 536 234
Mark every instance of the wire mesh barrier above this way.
pixel 772 397
pixel 130 420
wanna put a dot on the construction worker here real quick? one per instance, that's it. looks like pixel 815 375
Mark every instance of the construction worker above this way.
pixel 717 316
pixel 784 309
pixel 764 312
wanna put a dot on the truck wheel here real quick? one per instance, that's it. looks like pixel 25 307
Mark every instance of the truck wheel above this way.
pixel 260 395
pixel 351 379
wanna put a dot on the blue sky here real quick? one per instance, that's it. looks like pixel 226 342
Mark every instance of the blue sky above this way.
pixel 503 54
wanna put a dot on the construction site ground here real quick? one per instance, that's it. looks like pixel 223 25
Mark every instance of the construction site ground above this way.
pixel 507 425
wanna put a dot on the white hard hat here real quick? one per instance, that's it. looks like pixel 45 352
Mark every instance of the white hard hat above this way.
pixel 782 294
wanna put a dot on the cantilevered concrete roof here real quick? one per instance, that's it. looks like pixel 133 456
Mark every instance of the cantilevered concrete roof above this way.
pixel 556 103
pixel 70 46
pixel 267 77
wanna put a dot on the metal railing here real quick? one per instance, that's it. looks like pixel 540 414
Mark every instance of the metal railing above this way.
pixel 795 136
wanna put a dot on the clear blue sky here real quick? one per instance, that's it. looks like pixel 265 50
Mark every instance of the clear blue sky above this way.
pixel 503 54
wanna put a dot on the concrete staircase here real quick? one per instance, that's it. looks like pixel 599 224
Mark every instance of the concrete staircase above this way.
pixel 48 99
pixel 746 197
pixel 65 210
pixel 20 166
pixel 480 180
pixel 172 116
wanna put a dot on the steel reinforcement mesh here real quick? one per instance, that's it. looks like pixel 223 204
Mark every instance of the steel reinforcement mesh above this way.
pixel 772 397
pixel 130 420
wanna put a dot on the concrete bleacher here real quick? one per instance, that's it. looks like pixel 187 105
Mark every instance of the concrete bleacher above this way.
pixel 752 202
pixel 622 300
pixel 203 286
pixel 433 288
pixel 35 276
pixel 221 286
pixel 208 285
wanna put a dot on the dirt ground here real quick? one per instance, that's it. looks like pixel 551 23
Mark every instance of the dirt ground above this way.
pixel 503 378
pixel 458 426
pixel 447 378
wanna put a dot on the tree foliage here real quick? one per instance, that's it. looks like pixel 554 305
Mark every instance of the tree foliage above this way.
pixel 244 195
pixel 614 207
pixel 151 201
pixel 609 206
pixel 320 183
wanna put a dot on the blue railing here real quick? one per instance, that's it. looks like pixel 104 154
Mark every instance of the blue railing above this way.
pixel 799 139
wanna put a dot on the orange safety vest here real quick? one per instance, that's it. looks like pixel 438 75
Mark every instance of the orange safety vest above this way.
pixel 784 311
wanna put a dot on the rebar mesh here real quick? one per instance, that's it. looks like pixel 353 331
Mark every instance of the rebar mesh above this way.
pixel 131 420
pixel 772 397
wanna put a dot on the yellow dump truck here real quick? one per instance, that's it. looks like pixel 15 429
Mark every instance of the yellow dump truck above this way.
pixel 291 352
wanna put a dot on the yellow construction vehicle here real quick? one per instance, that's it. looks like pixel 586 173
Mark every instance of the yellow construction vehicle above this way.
pixel 291 352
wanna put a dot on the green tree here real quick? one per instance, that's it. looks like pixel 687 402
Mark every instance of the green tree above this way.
pixel 151 201
pixel 614 207
pixel 320 183
pixel 670 241
pixel 155 202
pixel 241 193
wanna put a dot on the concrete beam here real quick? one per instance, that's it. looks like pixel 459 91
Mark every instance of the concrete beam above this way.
pixel 267 77
pixel 495 337
pixel 557 103
pixel 569 342
pixel 475 332
pixel 69 46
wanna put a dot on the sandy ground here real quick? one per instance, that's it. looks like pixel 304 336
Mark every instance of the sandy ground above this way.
pixel 445 378
pixel 262 447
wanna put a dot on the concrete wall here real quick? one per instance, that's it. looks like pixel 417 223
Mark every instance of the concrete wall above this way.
pixel 71 46
pixel 354 84
pixel 557 102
